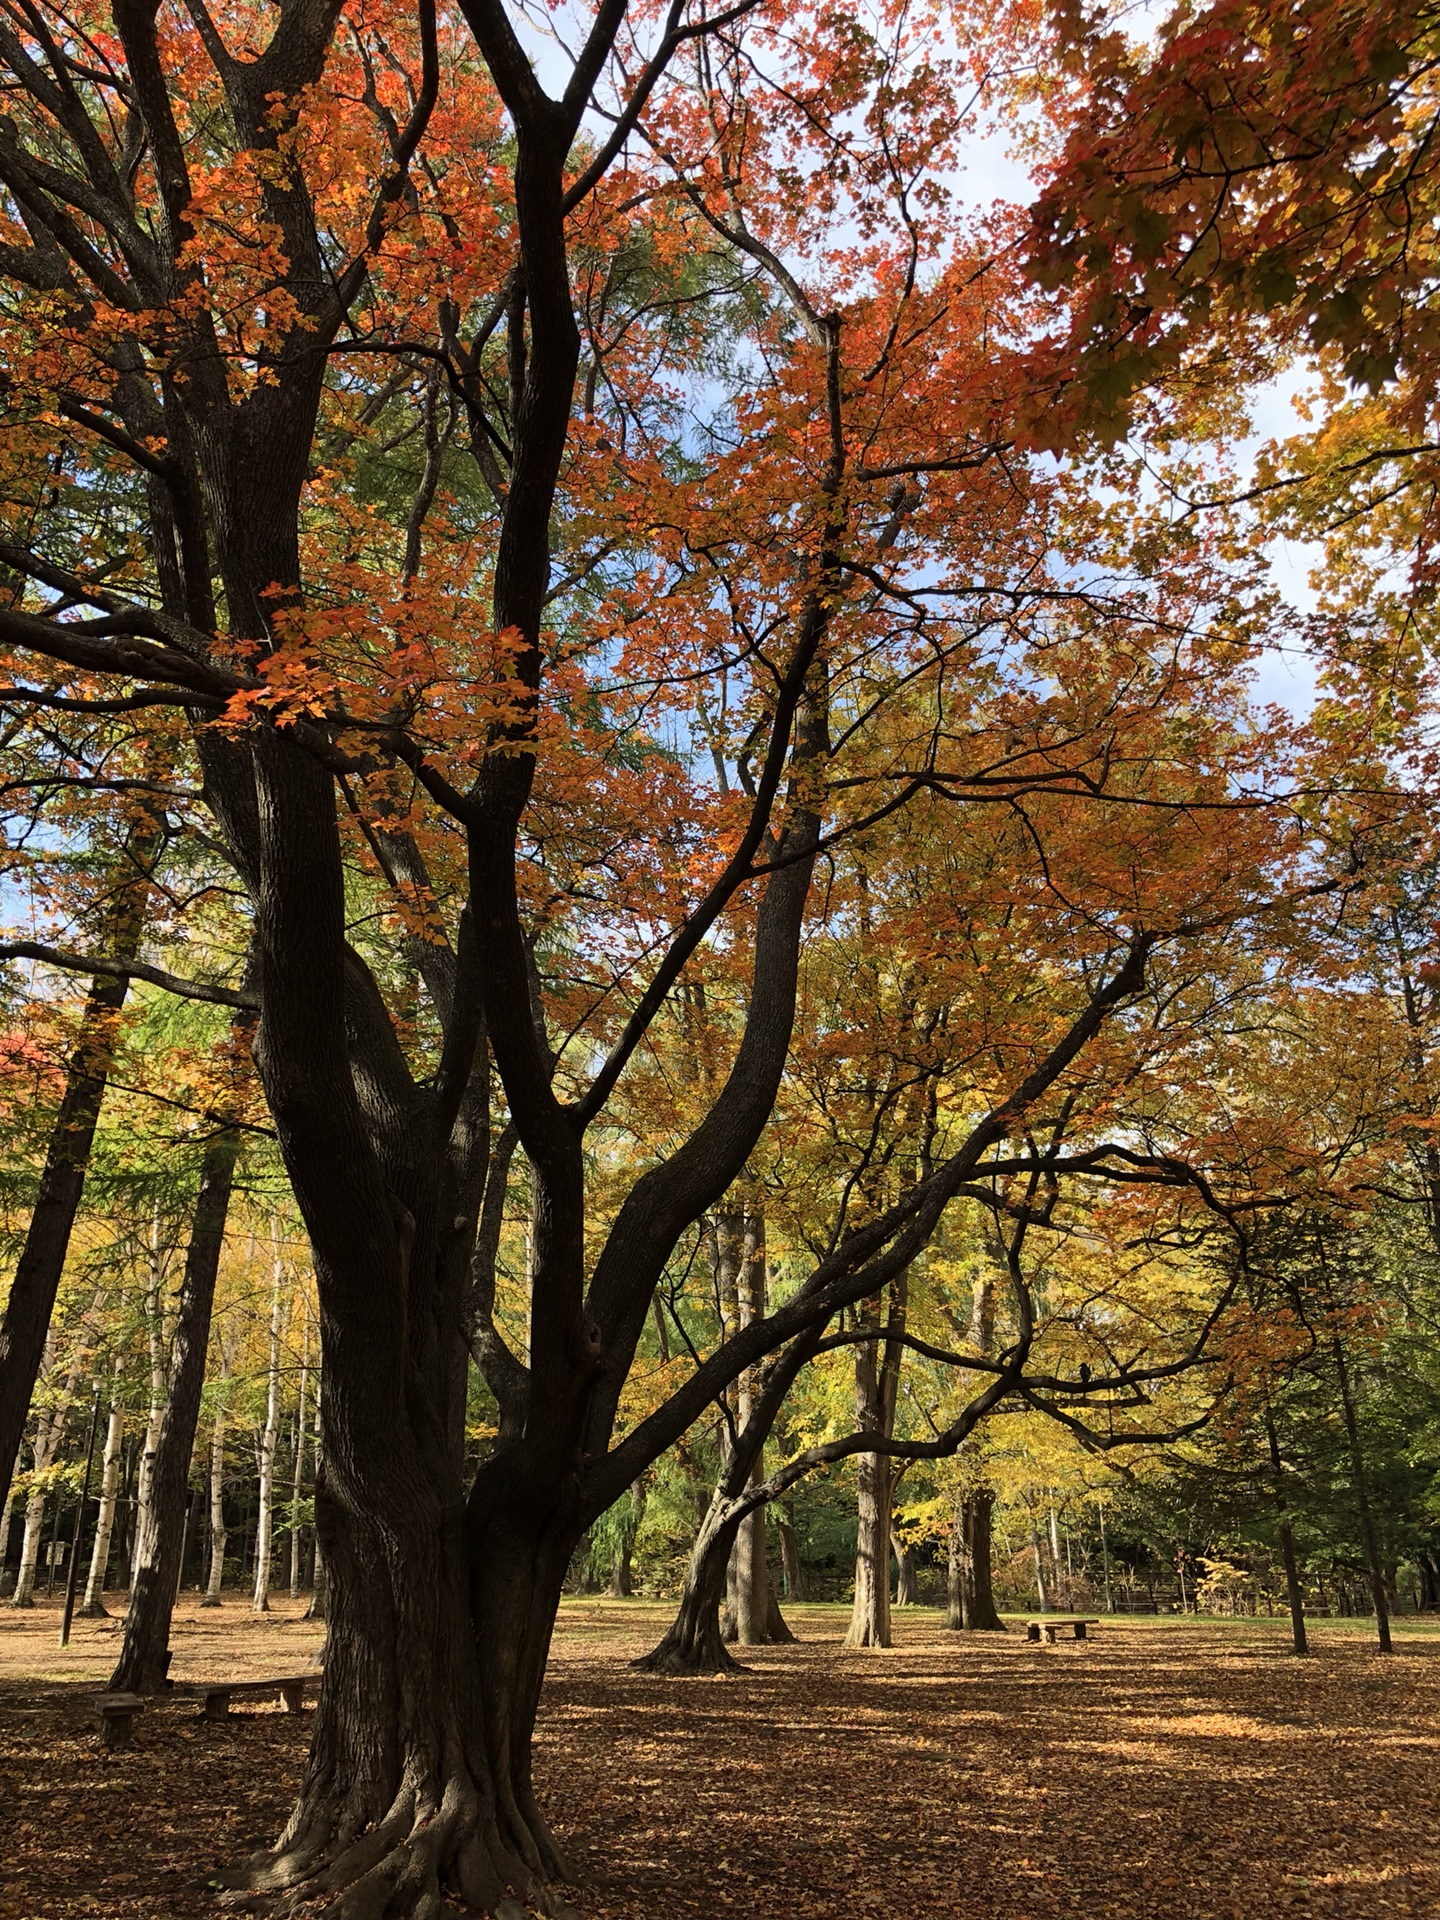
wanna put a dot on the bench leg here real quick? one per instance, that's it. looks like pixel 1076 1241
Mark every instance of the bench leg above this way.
pixel 217 1706
pixel 294 1698
pixel 1032 1632
pixel 118 1730
pixel 1050 1636
pixel 1079 1629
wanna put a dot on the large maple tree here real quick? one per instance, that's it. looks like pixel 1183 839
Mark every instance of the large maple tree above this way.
pixel 716 549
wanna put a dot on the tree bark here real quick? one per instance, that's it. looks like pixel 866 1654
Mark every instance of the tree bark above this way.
pixel 1294 1593
pixel 695 1642
pixel 31 1300
pixel 219 1535
pixel 877 1379
pixel 695 1639
pixel 93 1605
pixel 49 1433
pixel 907 1591
pixel 270 1433
pixel 791 1564
pixel 1042 1585
pixel 752 1608
pixel 969 1592
pixel 970 1597
pixel 7 1514
pixel 144 1655
pixel 156 1334
pixel 24 1594
pixel 298 1482
pixel 316 1609
pixel 1361 1482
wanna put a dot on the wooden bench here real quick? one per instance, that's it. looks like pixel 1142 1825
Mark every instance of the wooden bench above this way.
pixel 1049 1624
pixel 117 1713
pixel 215 1695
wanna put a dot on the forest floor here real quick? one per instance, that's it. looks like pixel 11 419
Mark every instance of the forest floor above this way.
pixel 1162 1770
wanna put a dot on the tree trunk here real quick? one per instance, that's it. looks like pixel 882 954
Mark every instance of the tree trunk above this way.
pixel 298 1483
pixel 754 1604
pixel 1058 1578
pixel 219 1537
pixel 24 1594
pixel 1041 1584
pixel 970 1598
pixel 7 1513
pixel 31 1300
pixel 747 1585
pixel 870 1611
pixel 1293 1592
pixel 877 1381
pixel 620 1587
pixel 159 1391
pixel 436 1790
pixel 695 1640
pixel 264 1523
pixel 1361 1482
pixel 969 1593
pixel 144 1656
pixel 749 1601
pixel 316 1608
pixel 93 1605
pixel 907 1592
pixel 49 1433
pixel 792 1566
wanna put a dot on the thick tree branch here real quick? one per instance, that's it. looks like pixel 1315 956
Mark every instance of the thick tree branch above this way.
pixel 128 968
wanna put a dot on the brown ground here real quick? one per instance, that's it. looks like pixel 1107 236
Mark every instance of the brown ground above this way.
pixel 1163 1769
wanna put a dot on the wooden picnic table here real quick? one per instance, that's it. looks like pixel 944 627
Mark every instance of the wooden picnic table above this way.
pixel 1049 1624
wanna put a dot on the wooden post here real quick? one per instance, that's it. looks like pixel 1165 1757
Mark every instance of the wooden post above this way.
pixel 72 1572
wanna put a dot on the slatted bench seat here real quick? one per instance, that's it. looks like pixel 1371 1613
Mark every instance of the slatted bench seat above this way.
pixel 117 1713
pixel 1049 1624
pixel 215 1695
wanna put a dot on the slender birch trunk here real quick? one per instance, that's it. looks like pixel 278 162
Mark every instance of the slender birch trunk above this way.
pixel 24 1594
pixel 219 1537
pixel 319 1582
pixel 49 1433
pixel 159 1389
pixel 93 1605
pixel 218 1534
pixel 298 1482
pixel 264 1524
pixel 1055 1550
pixel 5 1519
pixel 1042 1585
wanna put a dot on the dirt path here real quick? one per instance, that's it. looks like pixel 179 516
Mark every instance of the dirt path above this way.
pixel 1169 1771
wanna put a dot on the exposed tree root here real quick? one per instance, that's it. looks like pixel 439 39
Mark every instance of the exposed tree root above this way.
pixel 400 1868
pixel 679 1654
